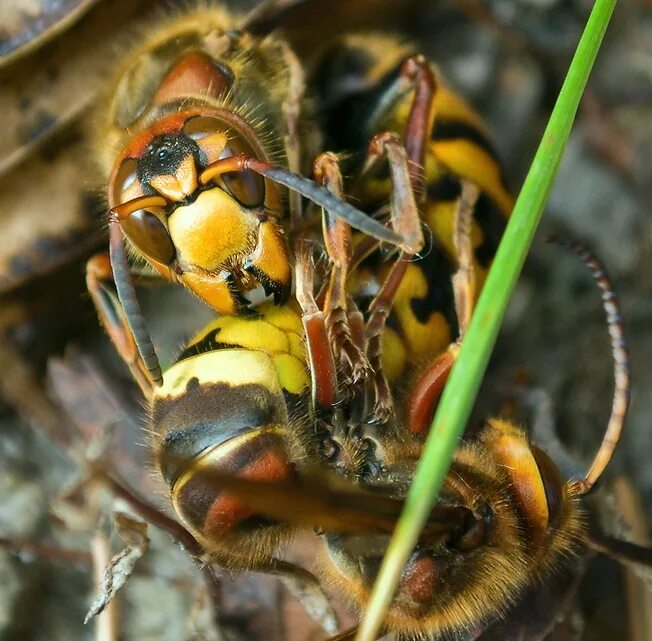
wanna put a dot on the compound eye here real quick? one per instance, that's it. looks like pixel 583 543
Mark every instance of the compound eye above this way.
pixel 126 185
pixel 552 485
pixel 247 187
pixel 200 127
pixel 150 236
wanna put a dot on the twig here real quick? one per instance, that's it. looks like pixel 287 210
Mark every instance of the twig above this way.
pixel 106 623
pixel 46 550
pixel 151 514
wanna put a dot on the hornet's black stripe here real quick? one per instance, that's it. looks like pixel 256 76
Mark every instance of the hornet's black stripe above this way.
pixel 459 130
pixel 207 415
pixel 493 223
pixel 207 343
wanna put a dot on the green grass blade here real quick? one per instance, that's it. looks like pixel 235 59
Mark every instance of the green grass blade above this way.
pixel 461 390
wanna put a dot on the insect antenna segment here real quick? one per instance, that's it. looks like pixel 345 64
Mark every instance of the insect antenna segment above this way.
pixel 620 352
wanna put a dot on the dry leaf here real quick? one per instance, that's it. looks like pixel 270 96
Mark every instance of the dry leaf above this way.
pixel 133 531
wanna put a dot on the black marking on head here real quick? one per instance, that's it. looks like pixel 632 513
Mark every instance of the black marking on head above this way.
pixel 164 155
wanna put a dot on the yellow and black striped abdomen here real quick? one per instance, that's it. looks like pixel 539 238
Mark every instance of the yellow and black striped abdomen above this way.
pixel 460 148
pixel 224 406
pixel 359 82
pixel 277 331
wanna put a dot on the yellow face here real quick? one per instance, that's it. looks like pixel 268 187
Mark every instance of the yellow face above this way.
pixel 215 231
pixel 209 232
pixel 167 161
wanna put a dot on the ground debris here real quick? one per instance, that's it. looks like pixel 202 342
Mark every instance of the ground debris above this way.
pixel 133 531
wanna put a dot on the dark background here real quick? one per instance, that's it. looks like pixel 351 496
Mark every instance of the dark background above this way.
pixel 508 58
